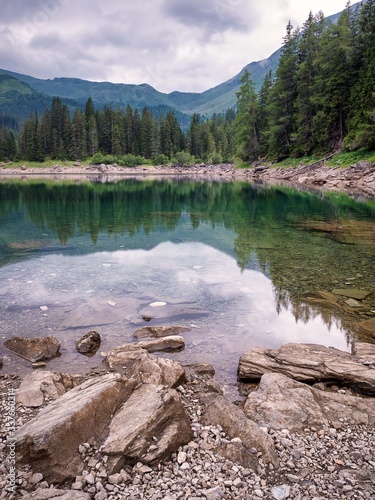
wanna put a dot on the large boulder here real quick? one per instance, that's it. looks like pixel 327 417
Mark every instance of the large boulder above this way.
pixel 234 422
pixel 150 426
pixel 34 349
pixel 133 361
pixel 49 442
pixel 308 363
pixel 37 385
pixel 283 403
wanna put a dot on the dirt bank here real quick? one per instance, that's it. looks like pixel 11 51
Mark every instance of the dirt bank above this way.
pixel 358 178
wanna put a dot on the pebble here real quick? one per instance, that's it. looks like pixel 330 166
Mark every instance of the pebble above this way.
pixel 333 463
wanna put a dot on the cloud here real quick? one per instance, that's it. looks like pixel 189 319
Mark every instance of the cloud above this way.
pixel 211 15
pixel 170 44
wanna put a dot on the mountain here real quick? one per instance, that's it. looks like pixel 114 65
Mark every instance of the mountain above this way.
pixel 215 100
pixel 25 94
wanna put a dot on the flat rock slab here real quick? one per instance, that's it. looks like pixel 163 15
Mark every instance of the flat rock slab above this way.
pixel 353 293
pixel 49 442
pixel 308 363
pixel 34 349
pixel 283 403
pixel 163 344
pixel 159 331
pixel 153 415
pixel 52 493
pixel 367 327
pixel 37 385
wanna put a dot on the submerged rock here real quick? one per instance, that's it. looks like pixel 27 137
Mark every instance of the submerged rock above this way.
pixel 89 343
pixel 308 363
pixel 163 344
pixel 159 331
pixel 352 293
pixel 34 349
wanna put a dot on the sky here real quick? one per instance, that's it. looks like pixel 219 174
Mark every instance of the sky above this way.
pixel 185 45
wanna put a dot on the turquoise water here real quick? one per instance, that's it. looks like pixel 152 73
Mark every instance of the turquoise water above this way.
pixel 232 261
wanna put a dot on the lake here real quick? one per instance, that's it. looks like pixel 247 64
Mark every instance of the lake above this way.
pixel 237 263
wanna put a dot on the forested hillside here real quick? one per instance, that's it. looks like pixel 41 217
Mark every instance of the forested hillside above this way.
pixel 323 94
pixel 320 99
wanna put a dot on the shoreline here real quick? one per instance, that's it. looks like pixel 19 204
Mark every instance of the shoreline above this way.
pixel 356 179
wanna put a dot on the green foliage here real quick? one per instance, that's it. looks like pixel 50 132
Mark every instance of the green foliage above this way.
pixel 183 158
pixel 323 95
pixel 130 160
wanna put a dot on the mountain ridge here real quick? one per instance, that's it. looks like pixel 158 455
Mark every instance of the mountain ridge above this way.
pixel 218 99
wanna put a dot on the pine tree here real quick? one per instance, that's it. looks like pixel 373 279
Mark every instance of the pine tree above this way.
pixel 247 120
pixel 282 99
pixel 305 103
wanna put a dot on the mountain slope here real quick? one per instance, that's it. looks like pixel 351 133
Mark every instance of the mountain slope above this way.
pixel 215 100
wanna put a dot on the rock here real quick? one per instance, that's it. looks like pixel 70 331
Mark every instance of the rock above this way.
pixel 280 492
pixel 163 344
pixel 49 442
pixel 283 403
pixel 47 493
pixel 136 362
pixel 34 349
pixel 152 415
pixel 159 331
pixel 322 299
pixel 353 303
pixel 308 363
pixel 234 422
pixel 353 293
pixel 35 386
pixel 238 454
pixel 364 353
pixel 89 343
pixel 215 493
pixel 367 327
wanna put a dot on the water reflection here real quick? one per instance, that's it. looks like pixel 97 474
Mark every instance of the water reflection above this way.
pixel 231 260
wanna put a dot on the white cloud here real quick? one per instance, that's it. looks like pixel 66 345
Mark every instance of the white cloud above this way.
pixel 171 44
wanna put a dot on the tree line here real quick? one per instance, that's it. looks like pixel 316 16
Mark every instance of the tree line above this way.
pixel 322 97
pixel 128 137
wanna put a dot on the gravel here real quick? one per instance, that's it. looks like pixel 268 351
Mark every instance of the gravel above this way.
pixel 335 462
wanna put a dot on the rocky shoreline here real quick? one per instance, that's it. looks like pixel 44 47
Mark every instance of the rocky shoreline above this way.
pixel 147 427
pixel 356 179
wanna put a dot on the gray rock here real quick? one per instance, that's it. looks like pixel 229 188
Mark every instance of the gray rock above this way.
pixel 45 494
pixel 49 442
pixel 163 344
pixel 136 362
pixel 234 422
pixel 353 293
pixel 89 343
pixel 238 454
pixel 34 349
pixel 159 331
pixel 35 386
pixel 153 415
pixel 280 492
pixel 215 493
pixel 283 403
pixel 308 363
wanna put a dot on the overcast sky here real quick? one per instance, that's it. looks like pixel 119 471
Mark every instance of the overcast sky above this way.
pixel 187 45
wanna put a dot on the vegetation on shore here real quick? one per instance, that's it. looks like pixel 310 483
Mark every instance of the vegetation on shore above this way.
pixel 321 100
